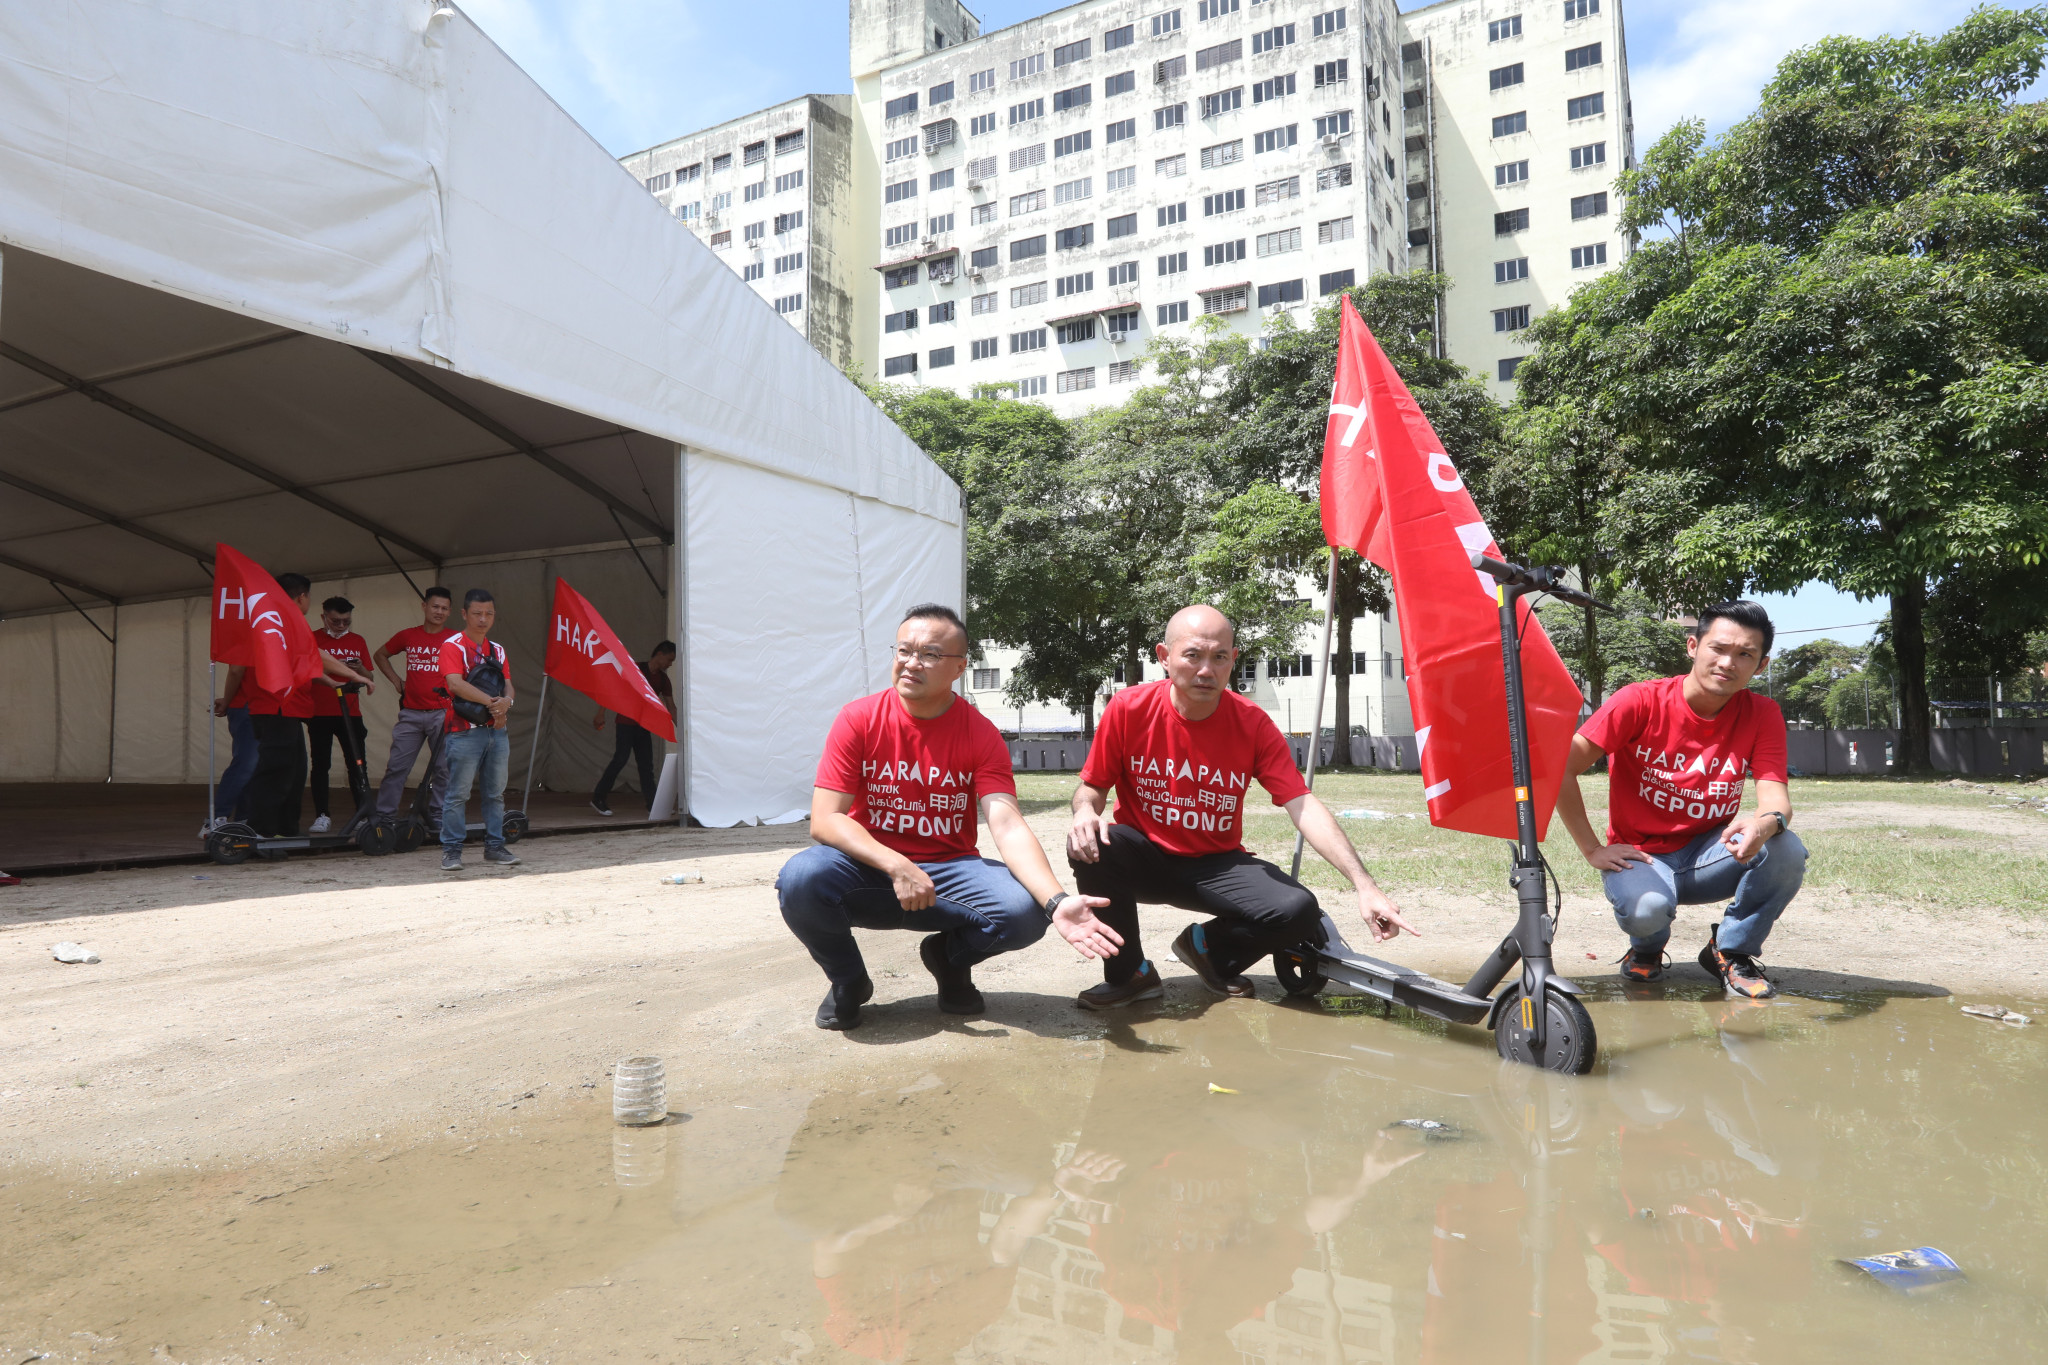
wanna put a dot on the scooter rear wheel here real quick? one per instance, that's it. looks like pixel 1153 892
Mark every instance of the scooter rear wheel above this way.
pixel 1569 1045
pixel 1295 968
pixel 515 826
pixel 378 837
pixel 230 846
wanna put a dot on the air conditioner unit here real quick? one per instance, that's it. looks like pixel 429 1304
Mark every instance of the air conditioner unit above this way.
pixel 1241 686
pixel 974 275
pixel 974 184
pixel 927 244
pixel 1332 140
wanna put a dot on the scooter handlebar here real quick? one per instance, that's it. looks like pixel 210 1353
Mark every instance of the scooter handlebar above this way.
pixel 1541 579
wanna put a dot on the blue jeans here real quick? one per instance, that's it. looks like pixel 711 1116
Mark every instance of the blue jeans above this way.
pixel 979 907
pixel 1646 897
pixel 480 756
pixel 234 782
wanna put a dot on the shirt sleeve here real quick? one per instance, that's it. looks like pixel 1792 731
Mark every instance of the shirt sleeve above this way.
pixel 452 660
pixel 839 765
pixel 993 775
pixel 1767 762
pixel 1618 721
pixel 1099 768
pixel 1273 762
pixel 394 645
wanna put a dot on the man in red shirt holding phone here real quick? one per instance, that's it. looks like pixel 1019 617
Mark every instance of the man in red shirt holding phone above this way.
pixel 330 713
pixel 1678 752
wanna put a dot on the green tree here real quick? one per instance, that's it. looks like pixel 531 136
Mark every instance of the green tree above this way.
pixel 1802 678
pixel 1636 644
pixel 1834 366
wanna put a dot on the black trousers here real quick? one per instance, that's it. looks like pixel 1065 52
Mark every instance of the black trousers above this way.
pixel 1257 907
pixel 323 733
pixel 632 741
pixel 277 788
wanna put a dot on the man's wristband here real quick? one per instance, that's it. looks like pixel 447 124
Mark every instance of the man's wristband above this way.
pixel 1052 904
pixel 1779 816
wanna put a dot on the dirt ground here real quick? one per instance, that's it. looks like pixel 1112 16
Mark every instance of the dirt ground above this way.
pixel 244 1013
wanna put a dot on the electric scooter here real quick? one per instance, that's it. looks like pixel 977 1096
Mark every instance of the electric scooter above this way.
pixel 1538 1020
pixel 384 834
pixel 237 842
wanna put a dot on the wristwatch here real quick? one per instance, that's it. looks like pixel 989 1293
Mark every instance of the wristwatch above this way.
pixel 1779 816
pixel 1052 904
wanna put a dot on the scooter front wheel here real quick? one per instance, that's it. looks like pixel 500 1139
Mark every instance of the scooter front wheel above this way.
pixel 1569 1044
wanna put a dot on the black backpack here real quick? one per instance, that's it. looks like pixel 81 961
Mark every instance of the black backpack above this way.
pixel 486 675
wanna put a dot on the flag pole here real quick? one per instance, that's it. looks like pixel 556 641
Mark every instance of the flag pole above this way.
pixel 540 715
pixel 1315 728
pixel 212 734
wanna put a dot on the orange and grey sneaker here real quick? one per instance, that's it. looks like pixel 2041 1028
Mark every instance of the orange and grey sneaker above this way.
pixel 1643 965
pixel 1741 975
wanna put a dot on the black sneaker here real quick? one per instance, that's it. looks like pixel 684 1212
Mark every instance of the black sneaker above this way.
pixel 600 807
pixel 840 1009
pixel 1146 985
pixel 502 857
pixel 1741 975
pixel 957 994
pixel 451 860
pixel 1192 948
pixel 1643 965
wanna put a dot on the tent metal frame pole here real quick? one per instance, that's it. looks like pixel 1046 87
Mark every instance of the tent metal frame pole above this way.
pixel 58 581
pixel 679 605
pixel 106 518
pixel 540 718
pixel 1315 727
pixel 113 687
pixel 212 736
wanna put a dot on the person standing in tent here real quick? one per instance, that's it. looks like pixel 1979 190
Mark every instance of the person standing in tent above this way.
pixel 231 797
pixel 331 713
pixel 422 706
pixel 277 787
pixel 633 739
pixel 478 680
pixel 1679 750
pixel 903 775
pixel 1181 754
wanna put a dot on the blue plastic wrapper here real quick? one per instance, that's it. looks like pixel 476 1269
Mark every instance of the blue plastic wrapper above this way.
pixel 1910 1272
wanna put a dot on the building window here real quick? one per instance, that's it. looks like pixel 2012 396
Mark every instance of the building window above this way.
pixel 981 124
pixel 1072 99
pixel 1501 77
pixel 1208 58
pixel 793 261
pixel 939 312
pixel 1281 242
pixel 1274 139
pixel 688 212
pixel 1580 9
pixel 1287 291
pixel 753 154
pixel 1507 272
pixel 1333 22
pixel 721 162
pixel 1223 154
pixel 1507 125
pixel 1120 326
pixel 1173 263
pixel 1168 22
pixel 1335 280
pixel 905 321
pixel 1333 125
pixel 899 276
pixel 940 134
pixel 1119 37
pixel 987 679
pixel 790 303
pixel 1027 66
pixel 1031 201
pixel 901 105
pixel 984 258
pixel 1025 295
pixel 1166 167
pixel 982 213
pixel 1122 178
pixel 1508 366
pixel 1584 256
pixel 1169 69
pixel 1032 339
pixel 788 180
pixel 942 270
pixel 1511 319
pixel 1589 205
pixel 1273 39
pixel 1172 116
pixel 1333 177
pixel 1579 58
pixel 1069 191
pixel 1074 284
pixel 940 180
pixel 898 192
pixel 1027 111
pixel 898 235
pixel 753 271
pixel 1510 27
pixel 899 364
pixel 1072 381
pixel 1033 387
pixel 1334 230
pixel 1075 238
pixel 981 80
pixel 1170 313
pixel 1510 173
pixel 1070 53
pixel 1273 191
pixel 1123 371
pixel 984 349
pixel 789 222
pixel 1230 201
pixel 939 94
pixel 1586 106
pixel 983 303
pixel 1124 226
pixel 1223 253
pixel 941 357
pixel 1122 83
pixel 657 183
pixel 757 190
pixel 689 172
pixel 1514 220
pixel 1224 300
pixel 1273 88
pixel 754 232
pixel 981 168
pixel 1332 73
pixel 720 241
pixel 1023 158
pixel 1592 154
pixel 1073 142
pixel 1080 329
pixel 1214 9
pixel 1222 102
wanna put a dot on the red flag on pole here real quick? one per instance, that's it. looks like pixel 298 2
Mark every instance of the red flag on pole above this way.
pixel 257 626
pixel 1393 495
pixel 583 653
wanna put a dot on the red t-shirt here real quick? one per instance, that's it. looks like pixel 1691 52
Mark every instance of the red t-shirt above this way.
pixel 1673 774
pixel 916 784
pixel 458 656
pixel 424 690
pixel 1180 783
pixel 346 647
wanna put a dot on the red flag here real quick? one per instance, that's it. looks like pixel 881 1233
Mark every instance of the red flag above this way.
pixel 1393 495
pixel 257 626
pixel 583 653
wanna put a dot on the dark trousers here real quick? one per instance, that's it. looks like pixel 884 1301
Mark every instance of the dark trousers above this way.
pixel 323 733
pixel 231 799
pixel 1257 907
pixel 631 741
pixel 280 780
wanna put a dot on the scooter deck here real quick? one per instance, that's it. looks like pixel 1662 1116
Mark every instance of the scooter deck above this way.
pixel 1338 961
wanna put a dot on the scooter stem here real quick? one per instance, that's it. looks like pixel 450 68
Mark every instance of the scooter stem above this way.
pixel 1531 927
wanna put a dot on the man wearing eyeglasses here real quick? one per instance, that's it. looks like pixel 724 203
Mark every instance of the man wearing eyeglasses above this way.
pixel 904 774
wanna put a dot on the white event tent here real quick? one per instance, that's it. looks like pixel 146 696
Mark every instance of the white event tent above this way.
pixel 334 282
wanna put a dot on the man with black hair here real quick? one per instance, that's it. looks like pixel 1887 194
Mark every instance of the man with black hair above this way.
pixel 279 721
pixel 479 751
pixel 325 728
pixel 904 773
pixel 422 706
pixel 1679 750
pixel 633 740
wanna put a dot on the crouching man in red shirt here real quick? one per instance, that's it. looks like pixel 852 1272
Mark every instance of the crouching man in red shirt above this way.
pixel 1181 754
pixel 1679 750
pixel 903 775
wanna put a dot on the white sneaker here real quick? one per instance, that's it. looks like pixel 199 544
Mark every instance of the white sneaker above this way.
pixel 209 826
pixel 321 824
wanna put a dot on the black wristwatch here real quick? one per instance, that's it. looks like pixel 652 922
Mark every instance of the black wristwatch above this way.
pixel 1052 904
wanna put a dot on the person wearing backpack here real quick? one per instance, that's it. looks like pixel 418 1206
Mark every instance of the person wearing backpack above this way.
pixel 479 682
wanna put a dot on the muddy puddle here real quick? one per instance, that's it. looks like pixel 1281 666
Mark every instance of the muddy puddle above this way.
pixel 1250 1184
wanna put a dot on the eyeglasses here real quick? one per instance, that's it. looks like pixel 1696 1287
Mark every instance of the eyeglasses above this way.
pixel 930 658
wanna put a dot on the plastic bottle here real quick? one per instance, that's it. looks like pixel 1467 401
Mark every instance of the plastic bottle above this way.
pixel 639 1091
pixel 682 879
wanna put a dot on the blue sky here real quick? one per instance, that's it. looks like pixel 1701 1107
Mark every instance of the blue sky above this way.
pixel 638 72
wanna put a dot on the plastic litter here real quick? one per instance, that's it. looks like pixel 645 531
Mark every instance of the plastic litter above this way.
pixel 639 1091
pixel 1431 1129
pixel 1909 1272
pixel 1216 1089
pixel 73 952
pixel 682 879
pixel 1999 1014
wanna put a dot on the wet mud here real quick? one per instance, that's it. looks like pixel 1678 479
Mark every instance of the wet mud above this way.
pixel 1239 1184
